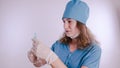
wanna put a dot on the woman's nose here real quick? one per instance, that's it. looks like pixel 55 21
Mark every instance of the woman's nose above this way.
pixel 66 26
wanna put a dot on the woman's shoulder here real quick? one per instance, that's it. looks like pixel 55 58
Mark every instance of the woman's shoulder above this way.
pixel 95 48
pixel 57 44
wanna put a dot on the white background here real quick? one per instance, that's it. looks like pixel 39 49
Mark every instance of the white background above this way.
pixel 20 19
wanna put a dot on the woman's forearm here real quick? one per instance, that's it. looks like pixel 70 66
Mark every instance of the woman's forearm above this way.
pixel 58 64
pixel 84 67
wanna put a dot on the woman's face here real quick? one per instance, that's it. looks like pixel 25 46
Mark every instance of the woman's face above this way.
pixel 70 26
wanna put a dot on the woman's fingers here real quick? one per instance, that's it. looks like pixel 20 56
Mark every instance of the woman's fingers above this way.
pixel 43 61
pixel 40 62
pixel 31 56
pixel 35 42
pixel 33 50
pixel 37 61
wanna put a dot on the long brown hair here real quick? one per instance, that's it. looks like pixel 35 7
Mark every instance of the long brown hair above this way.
pixel 84 39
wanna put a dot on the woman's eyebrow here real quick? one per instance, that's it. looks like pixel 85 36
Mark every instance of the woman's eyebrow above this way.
pixel 68 18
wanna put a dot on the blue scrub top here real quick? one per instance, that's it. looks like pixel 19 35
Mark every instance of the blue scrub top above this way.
pixel 89 56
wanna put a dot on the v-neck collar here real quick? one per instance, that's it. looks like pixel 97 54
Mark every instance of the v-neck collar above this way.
pixel 68 48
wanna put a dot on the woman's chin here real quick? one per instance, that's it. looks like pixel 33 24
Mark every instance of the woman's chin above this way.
pixel 68 35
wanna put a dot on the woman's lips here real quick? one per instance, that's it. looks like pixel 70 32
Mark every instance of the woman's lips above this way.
pixel 67 31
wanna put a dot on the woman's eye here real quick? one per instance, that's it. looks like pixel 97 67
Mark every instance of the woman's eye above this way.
pixel 69 21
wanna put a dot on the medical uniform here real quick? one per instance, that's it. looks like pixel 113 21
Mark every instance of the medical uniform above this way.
pixel 90 56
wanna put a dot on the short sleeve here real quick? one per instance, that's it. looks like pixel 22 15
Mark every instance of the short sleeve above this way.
pixel 92 59
pixel 54 45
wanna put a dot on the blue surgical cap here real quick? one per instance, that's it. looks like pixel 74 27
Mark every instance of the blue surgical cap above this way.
pixel 78 10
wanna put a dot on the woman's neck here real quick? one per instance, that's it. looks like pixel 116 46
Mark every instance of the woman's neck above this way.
pixel 73 46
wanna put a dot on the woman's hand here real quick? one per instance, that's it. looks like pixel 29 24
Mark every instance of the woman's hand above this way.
pixel 31 56
pixel 44 53
pixel 38 62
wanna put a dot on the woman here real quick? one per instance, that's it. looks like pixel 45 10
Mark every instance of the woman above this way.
pixel 77 48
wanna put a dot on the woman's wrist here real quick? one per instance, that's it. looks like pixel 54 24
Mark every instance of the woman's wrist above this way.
pixel 39 62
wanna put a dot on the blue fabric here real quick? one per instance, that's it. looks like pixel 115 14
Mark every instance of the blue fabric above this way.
pixel 89 56
pixel 77 10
